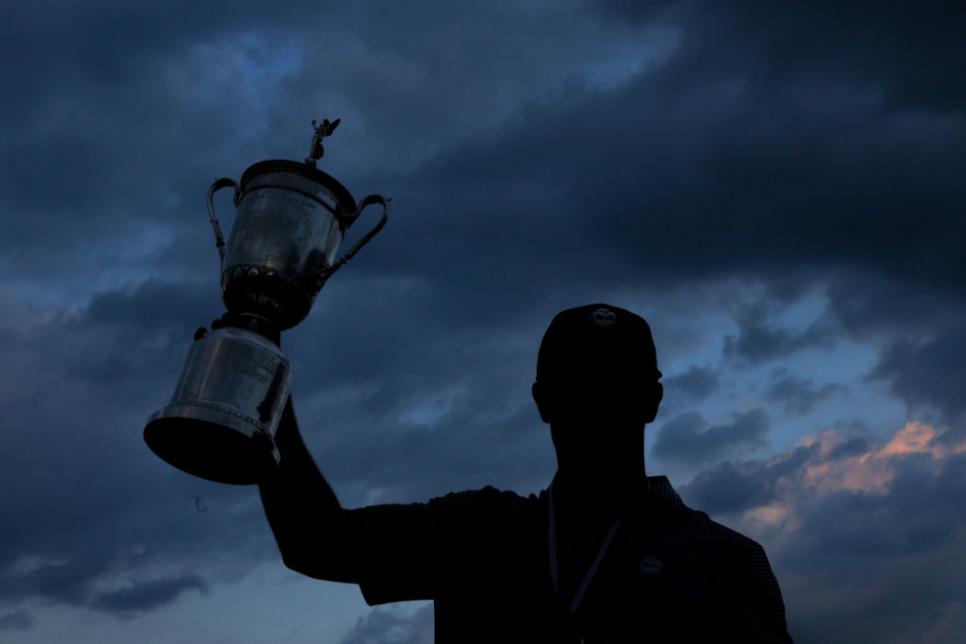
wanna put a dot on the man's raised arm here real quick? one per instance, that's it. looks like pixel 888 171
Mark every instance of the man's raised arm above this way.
pixel 394 551
pixel 306 518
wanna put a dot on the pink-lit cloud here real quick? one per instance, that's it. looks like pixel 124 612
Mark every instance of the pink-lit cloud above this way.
pixel 830 469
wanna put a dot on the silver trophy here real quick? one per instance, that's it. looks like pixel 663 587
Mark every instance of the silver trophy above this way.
pixel 290 220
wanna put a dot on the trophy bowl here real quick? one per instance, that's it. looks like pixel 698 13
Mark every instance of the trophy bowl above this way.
pixel 290 221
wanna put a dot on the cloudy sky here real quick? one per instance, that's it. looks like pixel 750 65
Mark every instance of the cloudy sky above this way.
pixel 780 190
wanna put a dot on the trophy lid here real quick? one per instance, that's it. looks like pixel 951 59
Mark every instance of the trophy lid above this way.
pixel 338 191
pixel 308 169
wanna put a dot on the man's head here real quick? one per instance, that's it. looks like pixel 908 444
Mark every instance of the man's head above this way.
pixel 597 378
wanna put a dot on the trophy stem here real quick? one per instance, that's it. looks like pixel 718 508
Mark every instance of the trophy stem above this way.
pixel 251 322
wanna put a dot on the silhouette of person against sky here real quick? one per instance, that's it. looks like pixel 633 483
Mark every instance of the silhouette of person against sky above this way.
pixel 605 554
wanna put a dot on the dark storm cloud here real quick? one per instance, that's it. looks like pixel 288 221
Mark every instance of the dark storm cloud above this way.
pixel 758 340
pixel 726 488
pixel 153 305
pixel 774 183
pixel 689 438
pixel 770 184
pixel 92 526
pixel 911 52
pixel 697 382
pixel 144 328
pixel 84 152
pixel 921 332
pixel 147 595
pixel 799 395
pixel 731 487
pixel 929 371
pixel 383 626
pixel 18 620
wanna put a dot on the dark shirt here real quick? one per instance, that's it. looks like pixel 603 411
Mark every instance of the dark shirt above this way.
pixel 662 573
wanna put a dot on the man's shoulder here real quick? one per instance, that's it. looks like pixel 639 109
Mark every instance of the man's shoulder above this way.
pixel 732 559
pixel 486 496
pixel 664 501
pixel 741 580
pixel 718 539
pixel 488 513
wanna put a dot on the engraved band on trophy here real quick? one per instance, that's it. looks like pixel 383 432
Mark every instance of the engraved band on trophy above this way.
pixel 290 221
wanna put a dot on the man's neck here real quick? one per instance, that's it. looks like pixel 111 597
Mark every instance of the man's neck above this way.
pixel 596 498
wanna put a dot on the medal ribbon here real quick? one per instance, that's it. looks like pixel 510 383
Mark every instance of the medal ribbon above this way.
pixel 589 575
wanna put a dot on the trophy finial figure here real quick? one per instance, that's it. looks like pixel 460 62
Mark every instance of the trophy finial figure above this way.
pixel 321 131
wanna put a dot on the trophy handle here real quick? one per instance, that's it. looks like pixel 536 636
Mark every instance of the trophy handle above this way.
pixel 224 182
pixel 367 201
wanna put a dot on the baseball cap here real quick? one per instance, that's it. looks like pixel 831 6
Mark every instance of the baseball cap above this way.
pixel 599 341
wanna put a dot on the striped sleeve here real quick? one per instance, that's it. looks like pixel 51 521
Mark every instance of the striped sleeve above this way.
pixel 407 551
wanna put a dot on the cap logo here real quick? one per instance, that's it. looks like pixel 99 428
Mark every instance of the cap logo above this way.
pixel 604 317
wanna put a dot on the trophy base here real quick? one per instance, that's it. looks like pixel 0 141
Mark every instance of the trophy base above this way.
pixel 210 450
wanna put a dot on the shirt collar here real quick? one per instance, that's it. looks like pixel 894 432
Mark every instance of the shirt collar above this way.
pixel 652 488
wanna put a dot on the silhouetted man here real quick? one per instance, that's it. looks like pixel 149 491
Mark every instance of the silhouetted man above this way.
pixel 604 555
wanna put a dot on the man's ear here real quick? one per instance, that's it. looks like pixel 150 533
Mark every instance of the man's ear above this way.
pixel 541 397
pixel 654 402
